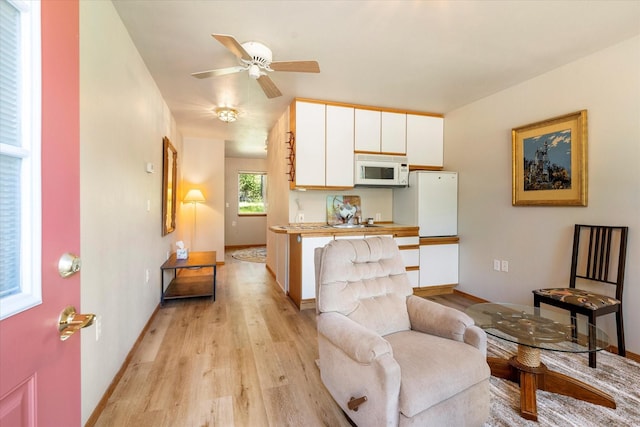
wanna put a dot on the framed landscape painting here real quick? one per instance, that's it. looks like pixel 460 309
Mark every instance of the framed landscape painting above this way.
pixel 550 162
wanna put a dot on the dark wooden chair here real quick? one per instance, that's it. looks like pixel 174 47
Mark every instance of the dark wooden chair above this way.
pixel 599 255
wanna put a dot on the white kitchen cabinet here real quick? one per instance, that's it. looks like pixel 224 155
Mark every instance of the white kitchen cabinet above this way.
pixel 367 130
pixel 302 279
pixel 309 144
pixel 309 245
pixel 339 146
pixel 348 236
pixel 323 145
pixel 438 264
pixel 380 131
pixel 393 133
pixel 425 139
pixel 410 251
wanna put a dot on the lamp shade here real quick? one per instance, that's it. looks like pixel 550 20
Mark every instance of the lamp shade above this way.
pixel 194 196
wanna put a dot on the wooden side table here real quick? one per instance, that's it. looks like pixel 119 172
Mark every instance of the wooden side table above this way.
pixel 203 285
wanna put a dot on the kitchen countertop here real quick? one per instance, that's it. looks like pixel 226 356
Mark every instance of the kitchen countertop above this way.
pixel 321 228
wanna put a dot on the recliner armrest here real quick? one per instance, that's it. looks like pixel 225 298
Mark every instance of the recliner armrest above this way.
pixel 358 342
pixel 476 337
pixel 436 319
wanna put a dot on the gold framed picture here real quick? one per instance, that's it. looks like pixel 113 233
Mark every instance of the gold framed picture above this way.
pixel 169 182
pixel 550 162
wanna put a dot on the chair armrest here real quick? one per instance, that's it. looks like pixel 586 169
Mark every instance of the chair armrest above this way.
pixel 476 337
pixel 436 319
pixel 358 342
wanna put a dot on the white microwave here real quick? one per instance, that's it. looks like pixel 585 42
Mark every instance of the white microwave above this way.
pixel 379 170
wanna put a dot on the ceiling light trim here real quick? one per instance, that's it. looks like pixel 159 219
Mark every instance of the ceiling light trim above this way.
pixel 227 114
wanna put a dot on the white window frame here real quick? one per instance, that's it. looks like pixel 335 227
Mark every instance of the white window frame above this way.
pixel 30 153
pixel 264 201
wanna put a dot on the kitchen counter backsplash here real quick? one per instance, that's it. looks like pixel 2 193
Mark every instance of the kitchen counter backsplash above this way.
pixel 311 206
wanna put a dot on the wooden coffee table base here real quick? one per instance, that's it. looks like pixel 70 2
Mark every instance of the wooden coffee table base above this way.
pixel 527 370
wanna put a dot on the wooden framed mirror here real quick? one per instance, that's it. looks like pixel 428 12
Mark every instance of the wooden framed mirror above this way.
pixel 169 179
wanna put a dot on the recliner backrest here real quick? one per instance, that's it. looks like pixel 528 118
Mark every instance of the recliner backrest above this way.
pixel 364 279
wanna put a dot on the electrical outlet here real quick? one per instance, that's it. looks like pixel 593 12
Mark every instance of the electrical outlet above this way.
pixel 378 217
pixel 98 325
pixel 496 264
pixel 146 276
pixel 300 216
pixel 505 266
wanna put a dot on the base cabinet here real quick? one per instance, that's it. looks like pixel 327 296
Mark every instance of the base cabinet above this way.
pixel 302 272
pixel 410 250
pixel 438 264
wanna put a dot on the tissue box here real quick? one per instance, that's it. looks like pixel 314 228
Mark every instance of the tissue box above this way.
pixel 182 254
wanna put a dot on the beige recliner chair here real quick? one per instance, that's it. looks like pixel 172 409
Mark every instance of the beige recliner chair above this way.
pixel 387 357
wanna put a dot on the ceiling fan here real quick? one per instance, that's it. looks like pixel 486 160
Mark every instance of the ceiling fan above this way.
pixel 256 59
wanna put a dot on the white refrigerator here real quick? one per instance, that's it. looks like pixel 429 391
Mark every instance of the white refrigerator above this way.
pixel 430 202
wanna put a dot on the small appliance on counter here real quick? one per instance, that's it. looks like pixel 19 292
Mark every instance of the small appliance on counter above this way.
pixel 430 202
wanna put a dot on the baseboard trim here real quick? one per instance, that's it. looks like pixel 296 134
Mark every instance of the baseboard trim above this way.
pixel 93 419
pixel 271 272
pixel 434 290
pixel 308 304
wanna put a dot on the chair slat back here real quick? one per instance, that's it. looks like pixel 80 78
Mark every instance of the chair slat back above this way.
pixel 599 254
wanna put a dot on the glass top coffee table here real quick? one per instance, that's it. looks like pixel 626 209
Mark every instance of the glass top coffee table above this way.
pixel 535 329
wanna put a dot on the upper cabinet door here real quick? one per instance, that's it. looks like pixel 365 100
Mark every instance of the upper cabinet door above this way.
pixel 425 139
pixel 393 133
pixel 340 134
pixel 310 147
pixel 367 130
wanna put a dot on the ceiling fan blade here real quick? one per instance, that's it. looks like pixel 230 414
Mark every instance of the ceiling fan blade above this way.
pixel 269 87
pixel 232 44
pixel 298 66
pixel 219 72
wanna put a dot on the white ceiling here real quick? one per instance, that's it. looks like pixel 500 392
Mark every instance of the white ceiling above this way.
pixel 430 56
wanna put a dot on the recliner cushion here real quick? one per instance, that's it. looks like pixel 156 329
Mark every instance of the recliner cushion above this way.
pixel 365 279
pixel 442 366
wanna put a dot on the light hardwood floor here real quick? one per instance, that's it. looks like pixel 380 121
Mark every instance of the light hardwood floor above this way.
pixel 247 359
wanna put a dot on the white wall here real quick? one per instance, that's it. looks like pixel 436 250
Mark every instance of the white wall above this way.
pixel 242 230
pixel 123 119
pixel 203 168
pixel 536 240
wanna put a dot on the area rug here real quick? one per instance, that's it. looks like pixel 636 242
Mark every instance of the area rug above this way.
pixel 256 254
pixel 615 375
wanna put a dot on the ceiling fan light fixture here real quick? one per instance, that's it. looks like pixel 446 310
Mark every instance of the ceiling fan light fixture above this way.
pixel 254 71
pixel 227 114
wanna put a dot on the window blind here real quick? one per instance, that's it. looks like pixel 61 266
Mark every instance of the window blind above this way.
pixel 10 161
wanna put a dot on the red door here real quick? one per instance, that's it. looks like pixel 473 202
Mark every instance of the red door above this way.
pixel 39 373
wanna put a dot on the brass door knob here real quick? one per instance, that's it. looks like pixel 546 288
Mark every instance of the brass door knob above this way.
pixel 69 322
pixel 68 264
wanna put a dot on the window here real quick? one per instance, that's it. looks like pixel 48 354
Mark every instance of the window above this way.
pixel 20 119
pixel 252 193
